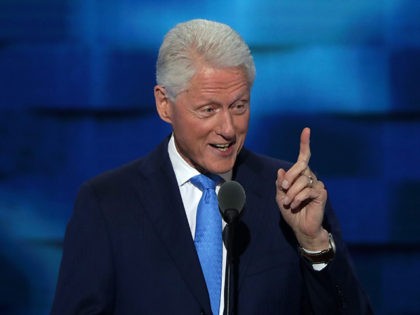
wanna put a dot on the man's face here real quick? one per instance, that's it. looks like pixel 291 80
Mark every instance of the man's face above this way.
pixel 210 118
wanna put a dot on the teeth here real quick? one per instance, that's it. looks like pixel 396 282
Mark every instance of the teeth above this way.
pixel 222 147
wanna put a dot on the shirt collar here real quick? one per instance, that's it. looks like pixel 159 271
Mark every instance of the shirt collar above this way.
pixel 184 171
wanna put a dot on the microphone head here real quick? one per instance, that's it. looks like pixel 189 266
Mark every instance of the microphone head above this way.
pixel 231 198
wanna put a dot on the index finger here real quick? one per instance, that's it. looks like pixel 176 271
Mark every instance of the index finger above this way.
pixel 305 150
pixel 303 160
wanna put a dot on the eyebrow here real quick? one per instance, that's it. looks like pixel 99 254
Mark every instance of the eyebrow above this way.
pixel 242 97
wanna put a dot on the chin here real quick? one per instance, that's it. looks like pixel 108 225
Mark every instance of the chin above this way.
pixel 221 169
pixel 216 166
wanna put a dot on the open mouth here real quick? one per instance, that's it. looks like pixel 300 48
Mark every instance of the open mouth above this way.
pixel 222 147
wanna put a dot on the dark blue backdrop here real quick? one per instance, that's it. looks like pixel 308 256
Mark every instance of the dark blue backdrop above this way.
pixel 76 98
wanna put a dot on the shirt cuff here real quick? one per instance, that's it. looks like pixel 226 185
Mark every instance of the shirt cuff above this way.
pixel 317 267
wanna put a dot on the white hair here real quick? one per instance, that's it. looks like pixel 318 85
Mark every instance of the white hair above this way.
pixel 199 42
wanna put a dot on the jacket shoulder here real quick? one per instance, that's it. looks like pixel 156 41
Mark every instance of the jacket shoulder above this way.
pixel 261 164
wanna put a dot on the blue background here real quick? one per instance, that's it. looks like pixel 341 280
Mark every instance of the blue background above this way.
pixel 76 98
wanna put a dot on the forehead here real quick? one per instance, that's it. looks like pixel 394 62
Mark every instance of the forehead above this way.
pixel 210 81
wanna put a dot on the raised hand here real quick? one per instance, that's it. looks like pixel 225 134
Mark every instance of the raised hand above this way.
pixel 301 199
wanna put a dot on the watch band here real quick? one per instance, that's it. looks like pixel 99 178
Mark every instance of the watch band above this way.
pixel 321 257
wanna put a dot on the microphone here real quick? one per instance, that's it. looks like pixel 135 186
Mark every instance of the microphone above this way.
pixel 231 199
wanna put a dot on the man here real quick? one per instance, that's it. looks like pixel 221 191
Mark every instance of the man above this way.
pixel 129 247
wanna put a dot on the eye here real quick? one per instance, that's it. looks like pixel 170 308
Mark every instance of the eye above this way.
pixel 239 108
pixel 207 111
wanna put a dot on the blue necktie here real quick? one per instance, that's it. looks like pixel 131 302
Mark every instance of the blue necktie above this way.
pixel 208 237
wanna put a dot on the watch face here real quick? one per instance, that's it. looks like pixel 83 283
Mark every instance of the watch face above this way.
pixel 332 243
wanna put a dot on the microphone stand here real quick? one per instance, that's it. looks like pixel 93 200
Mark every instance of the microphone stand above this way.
pixel 231 217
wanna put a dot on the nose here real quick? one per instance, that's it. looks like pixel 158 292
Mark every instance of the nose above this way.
pixel 226 127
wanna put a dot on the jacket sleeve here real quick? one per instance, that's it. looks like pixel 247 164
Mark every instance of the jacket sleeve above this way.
pixel 85 282
pixel 335 289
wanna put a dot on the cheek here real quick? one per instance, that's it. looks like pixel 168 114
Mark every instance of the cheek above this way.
pixel 192 133
pixel 183 125
pixel 242 124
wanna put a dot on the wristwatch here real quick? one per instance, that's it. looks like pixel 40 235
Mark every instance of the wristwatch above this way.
pixel 321 257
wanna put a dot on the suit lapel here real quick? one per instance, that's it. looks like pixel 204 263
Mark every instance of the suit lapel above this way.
pixel 163 204
pixel 246 173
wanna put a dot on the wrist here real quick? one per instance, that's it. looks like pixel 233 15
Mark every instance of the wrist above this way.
pixel 318 243
pixel 320 257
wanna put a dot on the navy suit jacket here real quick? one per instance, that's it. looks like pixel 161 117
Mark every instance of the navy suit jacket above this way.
pixel 128 249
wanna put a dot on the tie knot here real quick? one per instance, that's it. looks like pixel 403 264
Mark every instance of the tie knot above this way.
pixel 204 182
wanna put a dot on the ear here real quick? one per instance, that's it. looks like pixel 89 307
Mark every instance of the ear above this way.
pixel 163 105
